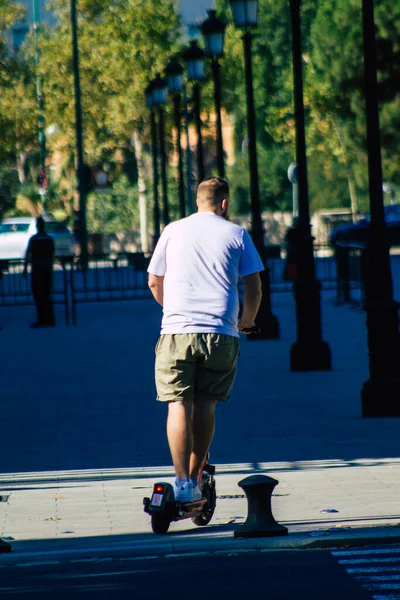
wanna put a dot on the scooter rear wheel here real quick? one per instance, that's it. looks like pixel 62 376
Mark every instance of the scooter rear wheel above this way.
pixel 208 510
pixel 159 523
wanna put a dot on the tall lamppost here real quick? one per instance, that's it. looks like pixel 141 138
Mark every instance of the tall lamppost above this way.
pixel 245 17
pixel 194 59
pixel 153 125
pixel 380 395
pixel 81 170
pixel 174 75
pixel 42 179
pixel 309 352
pixel 159 95
pixel 213 30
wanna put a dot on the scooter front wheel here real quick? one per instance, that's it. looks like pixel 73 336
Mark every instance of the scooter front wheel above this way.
pixel 159 523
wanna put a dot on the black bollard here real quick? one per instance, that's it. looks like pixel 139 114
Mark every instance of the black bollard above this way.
pixel 259 522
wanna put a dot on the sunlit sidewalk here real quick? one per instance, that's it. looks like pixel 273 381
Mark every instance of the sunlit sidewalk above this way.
pixel 85 439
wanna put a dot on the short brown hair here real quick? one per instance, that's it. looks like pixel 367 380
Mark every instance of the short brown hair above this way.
pixel 211 191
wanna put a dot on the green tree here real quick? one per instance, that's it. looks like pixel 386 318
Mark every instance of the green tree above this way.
pixel 336 39
pixel 273 92
pixel 122 46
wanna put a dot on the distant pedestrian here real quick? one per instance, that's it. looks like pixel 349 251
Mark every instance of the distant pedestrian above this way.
pixel 40 253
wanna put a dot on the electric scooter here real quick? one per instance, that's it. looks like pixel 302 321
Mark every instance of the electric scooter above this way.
pixel 163 508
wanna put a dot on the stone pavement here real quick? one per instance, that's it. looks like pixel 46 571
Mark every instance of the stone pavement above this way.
pixel 83 439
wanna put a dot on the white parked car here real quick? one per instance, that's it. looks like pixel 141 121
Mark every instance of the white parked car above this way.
pixel 15 234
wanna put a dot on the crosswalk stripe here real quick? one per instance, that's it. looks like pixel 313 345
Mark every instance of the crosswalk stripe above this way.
pixel 381 586
pixel 366 552
pixel 386 597
pixel 379 578
pixel 376 570
pixel 360 570
pixel 360 561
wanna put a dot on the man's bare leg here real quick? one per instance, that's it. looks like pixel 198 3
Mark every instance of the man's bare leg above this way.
pixel 203 426
pixel 180 436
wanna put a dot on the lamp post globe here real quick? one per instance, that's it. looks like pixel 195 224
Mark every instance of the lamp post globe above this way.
pixel 174 76
pixel 244 12
pixel 159 91
pixel 148 94
pixel 213 30
pixel 194 59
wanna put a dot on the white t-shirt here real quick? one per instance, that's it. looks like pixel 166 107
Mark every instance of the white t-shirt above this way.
pixel 201 258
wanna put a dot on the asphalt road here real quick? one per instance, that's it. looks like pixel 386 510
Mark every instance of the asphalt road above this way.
pixel 300 574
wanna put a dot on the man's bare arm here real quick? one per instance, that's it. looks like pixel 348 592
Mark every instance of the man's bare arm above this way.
pixel 156 285
pixel 251 300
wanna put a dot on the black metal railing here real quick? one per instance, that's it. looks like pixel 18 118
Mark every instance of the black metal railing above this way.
pixel 281 277
pixel 124 277
pixel 351 273
pixel 117 277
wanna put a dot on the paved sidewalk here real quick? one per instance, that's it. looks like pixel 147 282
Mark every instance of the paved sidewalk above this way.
pixel 83 439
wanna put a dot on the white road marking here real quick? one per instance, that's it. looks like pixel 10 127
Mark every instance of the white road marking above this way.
pixel 365 552
pixel 360 561
pixel 386 597
pixel 106 574
pixel 91 560
pixel 99 586
pixel 360 570
pixel 139 558
pixel 185 554
pixel 380 578
pixel 382 586
pixel 383 577
pixel 26 590
pixel 38 564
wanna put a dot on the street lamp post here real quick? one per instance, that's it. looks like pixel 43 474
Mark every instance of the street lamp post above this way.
pixel 380 395
pixel 159 100
pixel 213 30
pixel 194 58
pixel 309 352
pixel 83 237
pixel 153 125
pixel 42 179
pixel 174 75
pixel 189 174
pixel 245 16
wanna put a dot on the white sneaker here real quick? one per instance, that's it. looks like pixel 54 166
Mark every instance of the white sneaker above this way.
pixel 184 493
pixel 197 495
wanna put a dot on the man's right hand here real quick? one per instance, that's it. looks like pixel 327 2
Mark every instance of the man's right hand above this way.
pixel 245 326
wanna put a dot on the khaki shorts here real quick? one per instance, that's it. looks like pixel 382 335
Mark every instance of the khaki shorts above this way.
pixel 193 366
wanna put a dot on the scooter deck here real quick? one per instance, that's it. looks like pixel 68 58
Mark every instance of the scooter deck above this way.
pixel 189 509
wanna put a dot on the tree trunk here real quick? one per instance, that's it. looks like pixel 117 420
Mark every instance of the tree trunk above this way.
pixel 353 197
pixel 142 191
pixel 21 166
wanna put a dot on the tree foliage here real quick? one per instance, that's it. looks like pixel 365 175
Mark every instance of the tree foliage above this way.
pixel 333 97
pixel 124 43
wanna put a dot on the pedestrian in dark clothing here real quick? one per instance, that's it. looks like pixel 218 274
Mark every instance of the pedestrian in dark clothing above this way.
pixel 40 253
